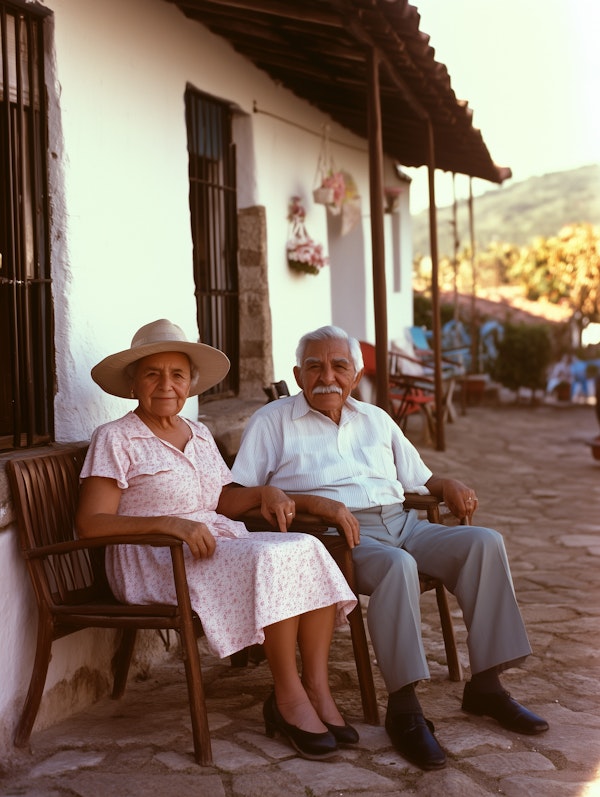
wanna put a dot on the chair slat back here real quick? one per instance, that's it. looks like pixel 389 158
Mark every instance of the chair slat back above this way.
pixel 419 339
pixel 45 489
pixel 369 358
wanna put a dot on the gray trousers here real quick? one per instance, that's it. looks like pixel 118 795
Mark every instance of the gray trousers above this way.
pixel 472 563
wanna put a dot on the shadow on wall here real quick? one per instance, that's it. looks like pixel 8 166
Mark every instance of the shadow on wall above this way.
pixel 348 277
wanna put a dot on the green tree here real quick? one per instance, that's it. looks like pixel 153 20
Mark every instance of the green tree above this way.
pixel 565 267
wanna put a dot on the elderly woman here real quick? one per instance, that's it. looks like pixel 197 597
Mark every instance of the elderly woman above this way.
pixel 153 470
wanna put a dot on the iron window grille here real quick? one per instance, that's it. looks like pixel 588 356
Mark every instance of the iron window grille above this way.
pixel 26 320
pixel 213 209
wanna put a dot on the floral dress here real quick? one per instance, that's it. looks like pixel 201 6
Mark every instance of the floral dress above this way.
pixel 252 580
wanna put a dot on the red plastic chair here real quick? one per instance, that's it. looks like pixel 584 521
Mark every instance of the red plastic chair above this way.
pixel 407 394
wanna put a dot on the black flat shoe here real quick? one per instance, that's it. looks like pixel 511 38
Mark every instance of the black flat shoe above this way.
pixel 314 746
pixel 412 736
pixel 344 734
pixel 504 709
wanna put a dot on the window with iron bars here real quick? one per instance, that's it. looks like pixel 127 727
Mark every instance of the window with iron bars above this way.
pixel 213 209
pixel 26 323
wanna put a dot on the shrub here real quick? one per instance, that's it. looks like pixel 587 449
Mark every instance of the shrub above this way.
pixel 524 355
pixel 422 311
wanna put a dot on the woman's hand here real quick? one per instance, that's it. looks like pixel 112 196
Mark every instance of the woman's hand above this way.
pixel 196 535
pixel 97 517
pixel 277 507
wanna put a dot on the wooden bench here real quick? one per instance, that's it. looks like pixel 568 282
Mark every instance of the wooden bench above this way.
pixel 72 593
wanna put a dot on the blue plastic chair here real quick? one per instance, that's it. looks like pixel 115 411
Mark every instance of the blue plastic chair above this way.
pixel 456 360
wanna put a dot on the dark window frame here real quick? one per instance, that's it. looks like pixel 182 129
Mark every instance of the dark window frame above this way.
pixel 213 212
pixel 26 315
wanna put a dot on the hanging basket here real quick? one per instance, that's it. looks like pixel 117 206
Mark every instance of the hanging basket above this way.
pixel 304 268
pixel 329 182
pixel 303 254
pixel 323 195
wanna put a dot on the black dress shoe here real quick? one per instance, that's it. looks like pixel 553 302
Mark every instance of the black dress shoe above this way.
pixel 501 707
pixel 412 736
pixel 344 734
pixel 314 746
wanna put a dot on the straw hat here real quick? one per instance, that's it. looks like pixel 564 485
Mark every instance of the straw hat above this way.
pixel 211 364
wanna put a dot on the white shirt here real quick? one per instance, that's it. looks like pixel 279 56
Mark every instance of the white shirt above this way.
pixel 364 462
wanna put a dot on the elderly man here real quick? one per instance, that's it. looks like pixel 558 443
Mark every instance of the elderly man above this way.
pixel 349 463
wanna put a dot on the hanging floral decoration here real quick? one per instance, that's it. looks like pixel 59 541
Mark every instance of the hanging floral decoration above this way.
pixel 303 254
pixel 336 188
pixel 391 195
pixel 330 183
pixel 336 183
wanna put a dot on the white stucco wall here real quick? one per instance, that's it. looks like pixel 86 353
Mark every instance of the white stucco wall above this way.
pixel 122 247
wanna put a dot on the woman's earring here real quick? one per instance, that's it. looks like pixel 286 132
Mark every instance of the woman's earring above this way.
pixel 132 393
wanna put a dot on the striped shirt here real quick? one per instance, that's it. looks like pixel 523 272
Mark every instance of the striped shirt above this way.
pixel 364 462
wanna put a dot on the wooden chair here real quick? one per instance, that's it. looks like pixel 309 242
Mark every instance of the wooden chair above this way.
pixel 412 387
pixel 457 357
pixel 338 548
pixel 404 371
pixel 71 590
pixel 342 554
pixel 406 395
pixel 431 506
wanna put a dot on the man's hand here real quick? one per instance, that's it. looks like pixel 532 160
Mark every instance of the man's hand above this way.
pixel 343 517
pixel 460 499
pixel 332 512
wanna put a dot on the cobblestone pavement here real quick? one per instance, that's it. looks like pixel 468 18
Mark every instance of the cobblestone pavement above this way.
pixel 538 483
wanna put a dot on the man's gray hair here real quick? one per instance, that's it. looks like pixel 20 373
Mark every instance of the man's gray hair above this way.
pixel 330 333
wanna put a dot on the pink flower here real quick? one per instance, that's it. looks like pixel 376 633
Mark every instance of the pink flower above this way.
pixel 303 253
pixel 336 181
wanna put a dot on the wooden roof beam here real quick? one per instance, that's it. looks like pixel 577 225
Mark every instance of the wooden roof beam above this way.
pixel 365 40
pixel 293 11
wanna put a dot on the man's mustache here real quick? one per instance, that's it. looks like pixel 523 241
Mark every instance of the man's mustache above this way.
pixel 326 389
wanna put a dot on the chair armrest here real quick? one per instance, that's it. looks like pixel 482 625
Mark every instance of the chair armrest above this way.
pixel 57 548
pixel 420 502
pixel 303 521
pixel 430 504
pixel 411 380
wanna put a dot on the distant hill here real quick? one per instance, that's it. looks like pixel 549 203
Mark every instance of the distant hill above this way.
pixel 517 212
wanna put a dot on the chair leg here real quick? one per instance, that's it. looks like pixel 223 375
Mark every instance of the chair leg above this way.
pixel 37 682
pixel 191 660
pixel 360 646
pixel 122 660
pixel 429 423
pixel 449 410
pixel 454 667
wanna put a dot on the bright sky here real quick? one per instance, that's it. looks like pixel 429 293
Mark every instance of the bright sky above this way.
pixel 529 70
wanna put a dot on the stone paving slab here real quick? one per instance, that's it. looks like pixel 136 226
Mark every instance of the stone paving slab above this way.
pixel 537 483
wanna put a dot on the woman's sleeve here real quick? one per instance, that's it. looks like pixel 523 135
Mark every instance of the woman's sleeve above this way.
pixel 107 456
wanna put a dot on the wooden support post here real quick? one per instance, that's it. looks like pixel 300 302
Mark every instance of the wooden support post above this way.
pixel 377 231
